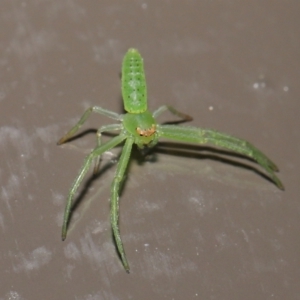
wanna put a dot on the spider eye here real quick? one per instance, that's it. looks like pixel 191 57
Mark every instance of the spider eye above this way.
pixel 140 131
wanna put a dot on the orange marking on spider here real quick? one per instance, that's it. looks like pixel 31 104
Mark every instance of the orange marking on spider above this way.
pixel 146 132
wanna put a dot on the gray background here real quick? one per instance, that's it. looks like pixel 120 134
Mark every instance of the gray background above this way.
pixel 196 223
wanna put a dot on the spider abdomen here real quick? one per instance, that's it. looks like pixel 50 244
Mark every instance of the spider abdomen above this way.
pixel 134 90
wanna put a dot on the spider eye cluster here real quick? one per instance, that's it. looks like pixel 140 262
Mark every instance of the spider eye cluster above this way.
pixel 146 132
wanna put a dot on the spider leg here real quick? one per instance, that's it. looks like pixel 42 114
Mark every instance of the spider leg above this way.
pixel 207 136
pixel 174 111
pixel 114 201
pixel 84 117
pixel 87 163
pixel 104 128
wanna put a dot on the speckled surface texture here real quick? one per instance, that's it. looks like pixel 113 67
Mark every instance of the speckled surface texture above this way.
pixel 197 223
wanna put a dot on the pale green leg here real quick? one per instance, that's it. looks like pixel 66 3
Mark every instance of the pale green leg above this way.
pixel 207 136
pixel 114 201
pixel 105 128
pixel 174 111
pixel 87 163
pixel 96 109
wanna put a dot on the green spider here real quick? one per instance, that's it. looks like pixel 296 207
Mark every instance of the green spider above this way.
pixel 138 126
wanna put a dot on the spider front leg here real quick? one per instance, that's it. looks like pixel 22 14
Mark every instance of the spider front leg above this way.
pixel 87 163
pixel 114 201
pixel 208 136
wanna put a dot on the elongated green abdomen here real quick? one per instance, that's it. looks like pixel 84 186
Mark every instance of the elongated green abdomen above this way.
pixel 134 90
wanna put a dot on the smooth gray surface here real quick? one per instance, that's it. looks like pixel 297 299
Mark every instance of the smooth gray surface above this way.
pixel 196 223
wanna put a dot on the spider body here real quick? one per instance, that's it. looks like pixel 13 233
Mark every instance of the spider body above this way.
pixel 138 126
